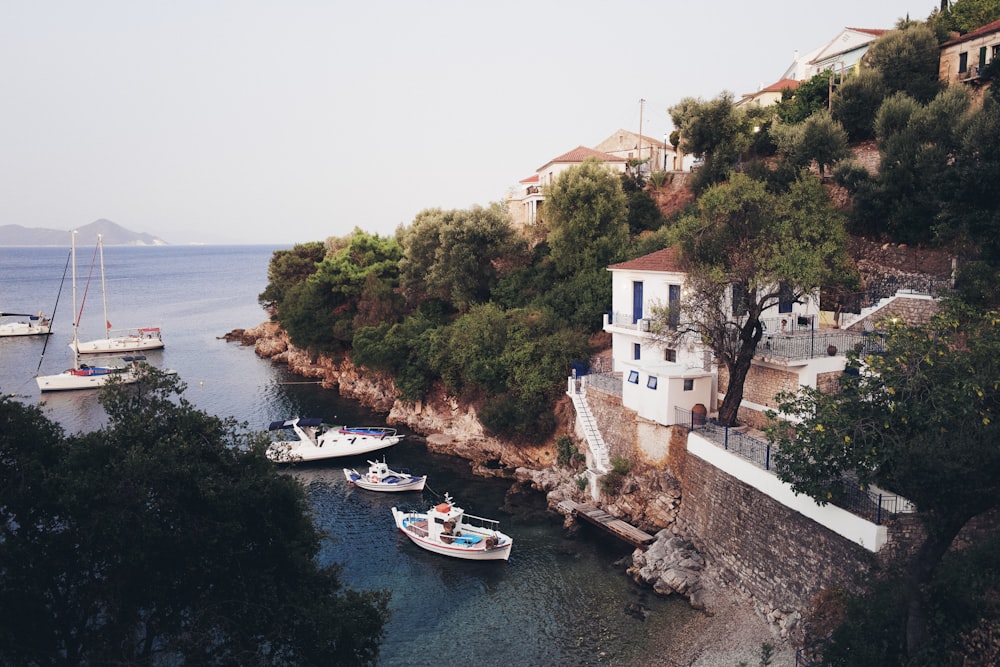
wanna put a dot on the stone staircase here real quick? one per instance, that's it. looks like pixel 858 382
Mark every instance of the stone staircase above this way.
pixel 585 418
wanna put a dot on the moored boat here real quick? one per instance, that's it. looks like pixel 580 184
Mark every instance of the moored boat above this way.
pixel 380 477
pixel 446 529
pixel 315 440
pixel 118 341
pixel 34 325
pixel 84 376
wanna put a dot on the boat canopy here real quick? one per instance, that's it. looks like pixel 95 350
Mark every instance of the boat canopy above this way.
pixel 304 421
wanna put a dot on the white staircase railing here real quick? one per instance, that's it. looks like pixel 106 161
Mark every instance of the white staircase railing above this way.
pixel 598 448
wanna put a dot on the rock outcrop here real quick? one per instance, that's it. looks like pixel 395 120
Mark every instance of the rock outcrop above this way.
pixel 671 565
pixel 450 426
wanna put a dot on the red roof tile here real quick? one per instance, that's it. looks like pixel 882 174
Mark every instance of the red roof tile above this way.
pixel 581 153
pixel 662 260
pixel 530 179
pixel 972 34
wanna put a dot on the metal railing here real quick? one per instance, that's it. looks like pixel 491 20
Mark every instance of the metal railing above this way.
pixel 609 383
pixel 848 494
pixel 891 286
pixel 812 344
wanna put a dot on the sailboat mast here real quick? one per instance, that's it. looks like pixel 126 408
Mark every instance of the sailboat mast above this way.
pixel 76 315
pixel 104 291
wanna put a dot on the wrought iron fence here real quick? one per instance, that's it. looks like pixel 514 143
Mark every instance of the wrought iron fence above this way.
pixel 809 345
pixel 848 494
pixel 891 285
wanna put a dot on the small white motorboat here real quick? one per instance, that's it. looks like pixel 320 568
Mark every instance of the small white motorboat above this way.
pixel 314 440
pixel 448 530
pixel 380 477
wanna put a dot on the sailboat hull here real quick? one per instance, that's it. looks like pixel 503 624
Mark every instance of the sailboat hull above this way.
pixel 119 345
pixel 92 378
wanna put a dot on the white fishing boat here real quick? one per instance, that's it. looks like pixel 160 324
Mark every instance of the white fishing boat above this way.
pixel 446 529
pixel 314 440
pixel 86 376
pixel 119 341
pixel 380 477
pixel 34 325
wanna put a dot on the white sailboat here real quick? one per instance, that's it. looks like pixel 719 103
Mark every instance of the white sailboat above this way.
pixel 85 376
pixel 126 340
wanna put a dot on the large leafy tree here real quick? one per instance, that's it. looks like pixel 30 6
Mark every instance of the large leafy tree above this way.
pixel 288 268
pixel 921 420
pixel 908 60
pixel 165 538
pixel 714 130
pixel 745 249
pixel 458 256
pixel 351 286
pixel 915 185
pixel 586 213
pixel 963 16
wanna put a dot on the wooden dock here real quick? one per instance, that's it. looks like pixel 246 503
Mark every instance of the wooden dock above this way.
pixel 601 519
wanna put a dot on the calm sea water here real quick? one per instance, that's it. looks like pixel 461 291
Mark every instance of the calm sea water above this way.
pixel 558 601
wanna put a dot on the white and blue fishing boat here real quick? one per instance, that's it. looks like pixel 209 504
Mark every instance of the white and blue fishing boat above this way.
pixel 380 477
pixel 446 529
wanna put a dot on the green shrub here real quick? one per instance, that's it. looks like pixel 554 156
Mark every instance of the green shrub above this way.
pixel 568 454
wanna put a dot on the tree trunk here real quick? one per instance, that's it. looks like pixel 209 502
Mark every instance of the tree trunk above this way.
pixel 750 335
pixel 918 574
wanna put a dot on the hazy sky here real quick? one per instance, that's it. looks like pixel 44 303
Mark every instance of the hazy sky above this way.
pixel 245 121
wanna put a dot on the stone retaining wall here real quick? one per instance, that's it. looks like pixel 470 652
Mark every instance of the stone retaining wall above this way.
pixel 773 554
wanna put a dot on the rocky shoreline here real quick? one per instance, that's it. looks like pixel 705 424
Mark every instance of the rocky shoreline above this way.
pixel 731 630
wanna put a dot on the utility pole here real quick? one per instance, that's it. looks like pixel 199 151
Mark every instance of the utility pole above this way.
pixel 642 101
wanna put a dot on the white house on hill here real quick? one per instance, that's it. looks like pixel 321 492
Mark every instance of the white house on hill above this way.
pixel 657 378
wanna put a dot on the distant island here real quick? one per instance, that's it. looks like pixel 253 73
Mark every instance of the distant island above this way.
pixel 112 233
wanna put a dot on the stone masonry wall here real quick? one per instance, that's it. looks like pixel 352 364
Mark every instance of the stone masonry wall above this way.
pixel 618 424
pixel 763 384
pixel 774 554
pixel 915 312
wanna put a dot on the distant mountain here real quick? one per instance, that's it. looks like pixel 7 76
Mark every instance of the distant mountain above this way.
pixel 113 233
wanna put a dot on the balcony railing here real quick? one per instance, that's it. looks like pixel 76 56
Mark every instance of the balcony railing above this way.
pixel 812 344
pixel 847 494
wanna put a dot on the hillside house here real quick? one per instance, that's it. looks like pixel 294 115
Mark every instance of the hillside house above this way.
pixel 525 201
pixel 656 379
pixel 768 95
pixel 841 54
pixel 659 155
pixel 964 58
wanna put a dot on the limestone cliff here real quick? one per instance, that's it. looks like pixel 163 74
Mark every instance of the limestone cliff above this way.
pixel 450 426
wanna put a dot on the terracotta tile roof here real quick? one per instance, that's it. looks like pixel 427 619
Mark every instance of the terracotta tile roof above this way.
pixel 530 179
pixel 666 260
pixel 581 153
pixel 780 85
pixel 972 34
pixel 878 32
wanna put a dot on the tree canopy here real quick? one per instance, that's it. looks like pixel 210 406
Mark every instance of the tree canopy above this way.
pixel 359 273
pixel 745 249
pixel 458 256
pixel 166 537
pixel 586 213
pixel 920 420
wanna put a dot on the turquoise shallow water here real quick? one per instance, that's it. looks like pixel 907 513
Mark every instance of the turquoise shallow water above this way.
pixel 558 601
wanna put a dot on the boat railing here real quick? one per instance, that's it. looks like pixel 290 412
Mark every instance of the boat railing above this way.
pixel 413 525
pixel 380 431
pixel 473 521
